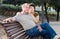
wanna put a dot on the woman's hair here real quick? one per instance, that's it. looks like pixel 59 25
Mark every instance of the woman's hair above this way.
pixel 32 4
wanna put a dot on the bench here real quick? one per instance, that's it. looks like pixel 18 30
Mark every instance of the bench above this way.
pixel 15 31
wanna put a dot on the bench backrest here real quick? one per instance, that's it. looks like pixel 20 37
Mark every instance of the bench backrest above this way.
pixel 15 31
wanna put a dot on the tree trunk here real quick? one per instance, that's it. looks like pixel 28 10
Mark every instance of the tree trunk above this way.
pixel 42 15
pixel 46 12
pixel 57 14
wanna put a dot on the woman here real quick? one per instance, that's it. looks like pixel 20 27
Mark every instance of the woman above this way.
pixel 40 29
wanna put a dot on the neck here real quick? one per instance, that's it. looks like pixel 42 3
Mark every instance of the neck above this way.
pixel 23 12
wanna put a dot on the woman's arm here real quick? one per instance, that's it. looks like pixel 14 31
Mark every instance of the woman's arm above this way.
pixel 36 20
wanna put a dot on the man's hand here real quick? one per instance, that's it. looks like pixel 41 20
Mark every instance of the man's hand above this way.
pixel 7 20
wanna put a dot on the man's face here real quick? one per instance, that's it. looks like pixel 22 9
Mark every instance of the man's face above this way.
pixel 26 8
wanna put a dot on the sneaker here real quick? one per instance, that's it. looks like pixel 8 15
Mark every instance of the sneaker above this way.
pixel 57 37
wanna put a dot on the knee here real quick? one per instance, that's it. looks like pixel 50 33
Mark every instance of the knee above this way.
pixel 45 23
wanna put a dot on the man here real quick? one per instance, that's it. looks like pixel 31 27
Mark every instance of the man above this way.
pixel 25 8
pixel 30 23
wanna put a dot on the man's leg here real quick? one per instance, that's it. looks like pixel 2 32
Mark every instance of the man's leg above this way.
pixel 33 31
pixel 47 36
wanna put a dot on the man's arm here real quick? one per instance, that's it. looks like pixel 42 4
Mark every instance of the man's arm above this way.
pixel 11 19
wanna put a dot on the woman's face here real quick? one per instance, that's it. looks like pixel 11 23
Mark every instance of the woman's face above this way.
pixel 31 9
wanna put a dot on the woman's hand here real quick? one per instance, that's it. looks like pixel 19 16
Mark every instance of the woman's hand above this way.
pixel 30 13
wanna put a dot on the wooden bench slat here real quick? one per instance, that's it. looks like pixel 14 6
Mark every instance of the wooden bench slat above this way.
pixel 7 25
pixel 9 28
pixel 22 37
pixel 13 32
pixel 27 37
pixel 17 33
pixel 13 29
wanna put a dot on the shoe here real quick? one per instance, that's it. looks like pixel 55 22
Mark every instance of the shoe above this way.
pixel 57 37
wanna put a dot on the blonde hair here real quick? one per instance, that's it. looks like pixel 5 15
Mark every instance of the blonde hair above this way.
pixel 23 5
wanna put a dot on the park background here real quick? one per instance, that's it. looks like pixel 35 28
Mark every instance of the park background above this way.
pixel 49 10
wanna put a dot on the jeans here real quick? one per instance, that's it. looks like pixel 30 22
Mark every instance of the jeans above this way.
pixel 47 31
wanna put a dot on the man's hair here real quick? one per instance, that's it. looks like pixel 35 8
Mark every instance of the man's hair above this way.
pixel 24 5
pixel 32 4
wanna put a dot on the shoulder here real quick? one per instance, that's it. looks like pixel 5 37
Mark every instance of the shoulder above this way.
pixel 36 14
pixel 18 13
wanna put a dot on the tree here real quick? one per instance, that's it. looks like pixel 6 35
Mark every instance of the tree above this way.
pixel 37 2
pixel 44 3
pixel 56 5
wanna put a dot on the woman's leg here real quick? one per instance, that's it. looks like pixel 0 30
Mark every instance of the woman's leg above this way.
pixel 49 29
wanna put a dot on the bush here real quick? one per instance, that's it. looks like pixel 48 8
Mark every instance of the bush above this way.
pixel 10 7
pixel 9 10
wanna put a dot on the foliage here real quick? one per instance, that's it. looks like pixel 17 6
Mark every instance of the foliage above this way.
pixel 10 7
pixel 15 2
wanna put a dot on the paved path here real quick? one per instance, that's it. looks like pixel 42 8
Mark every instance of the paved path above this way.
pixel 56 26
